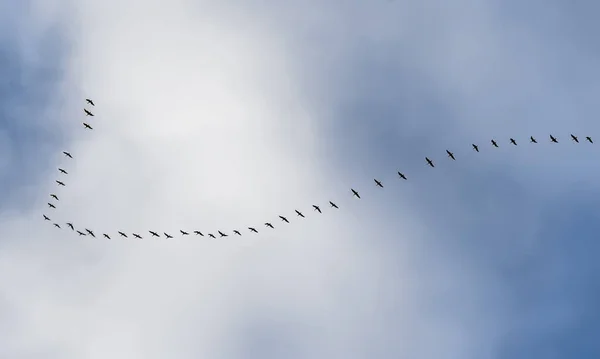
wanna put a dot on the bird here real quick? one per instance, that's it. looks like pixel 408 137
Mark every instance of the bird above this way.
pixel 56 225
pixel 184 233
pixel 512 140
pixel 137 236
pixel 211 235
pixel 252 229
pixel 284 219
pixel 63 171
pixel 333 205
pixel 87 126
pixel 198 233
pixel 402 175
pixel 355 193
pixel 430 162
pixel 269 225
pixel 574 138
pixel 378 183
pixel 317 208
pixel 46 218
pixel 553 139
pixel 494 143
pixel 123 234
pixel 51 205
pixel 223 234
pixel 532 140
pixel 450 154
pixel 106 235
pixel 67 154
pixel 299 214
pixel 88 113
pixel 90 232
pixel 237 232
pixel 89 101
pixel 71 226
pixel 167 235
pixel 54 196
pixel 154 234
pixel 589 139
pixel 81 233
pixel 60 183
pixel 475 147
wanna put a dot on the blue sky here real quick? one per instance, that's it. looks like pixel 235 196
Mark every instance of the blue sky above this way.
pixel 27 128
pixel 490 256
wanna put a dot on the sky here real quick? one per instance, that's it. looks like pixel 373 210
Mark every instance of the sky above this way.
pixel 219 115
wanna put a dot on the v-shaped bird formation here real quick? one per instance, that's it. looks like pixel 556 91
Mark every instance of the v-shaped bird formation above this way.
pixel 251 230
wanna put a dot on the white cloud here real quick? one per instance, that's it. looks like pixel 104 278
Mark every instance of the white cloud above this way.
pixel 211 116
pixel 200 124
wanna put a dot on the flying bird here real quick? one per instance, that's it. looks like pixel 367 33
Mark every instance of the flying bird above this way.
pixel 71 226
pixel 167 235
pixel 106 235
pixel 355 193
pixel 494 143
pixel 90 232
pixel 46 217
pixel 63 171
pixel 532 140
pixel 67 154
pixel 88 113
pixel 198 233
pixel 237 232
pixel 299 214
pixel 553 139
pixel 87 126
pixel 269 225
pixel 56 225
pixel 223 234
pixel 333 205
pixel 60 183
pixel 589 139
pixel 402 175
pixel 284 219
pixel 51 205
pixel 89 101
pixel 137 236
pixel 123 234
pixel 154 234
pixel 184 233
pixel 475 147
pixel 54 196
pixel 81 233
pixel 429 161
pixel 317 208
pixel 378 183
pixel 450 154
pixel 252 229
pixel 212 236
pixel 574 138
pixel 512 140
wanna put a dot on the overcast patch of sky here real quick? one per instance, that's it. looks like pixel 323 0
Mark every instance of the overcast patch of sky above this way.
pixel 525 217
pixel 521 220
pixel 29 72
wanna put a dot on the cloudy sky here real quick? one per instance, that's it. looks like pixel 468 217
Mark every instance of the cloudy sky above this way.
pixel 219 115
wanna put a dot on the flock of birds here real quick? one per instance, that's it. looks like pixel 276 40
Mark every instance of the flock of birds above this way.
pixel 315 207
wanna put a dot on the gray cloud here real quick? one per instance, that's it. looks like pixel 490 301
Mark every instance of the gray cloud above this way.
pixel 202 123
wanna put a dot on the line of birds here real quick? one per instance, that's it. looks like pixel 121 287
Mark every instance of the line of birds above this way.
pixel 316 208
pixel 63 171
